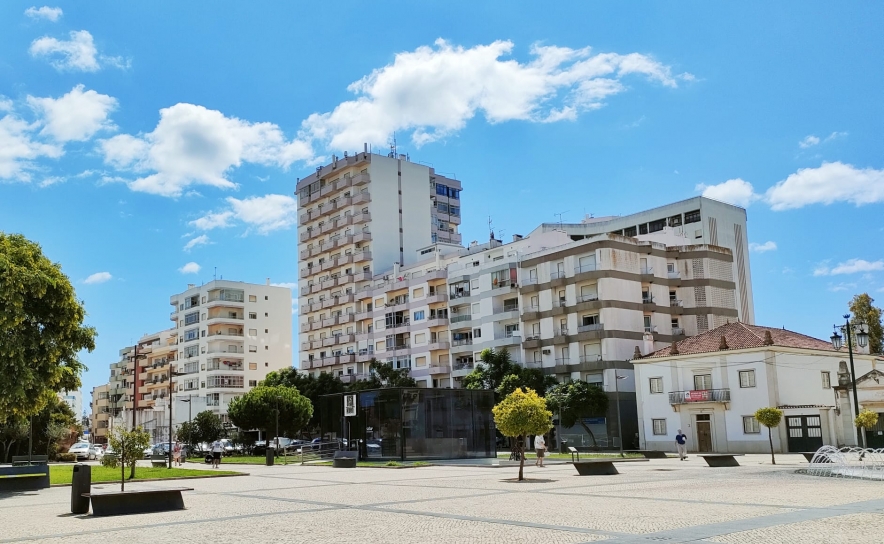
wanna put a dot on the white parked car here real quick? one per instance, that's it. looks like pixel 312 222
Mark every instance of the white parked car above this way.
pixel 83 451
pixel 97 451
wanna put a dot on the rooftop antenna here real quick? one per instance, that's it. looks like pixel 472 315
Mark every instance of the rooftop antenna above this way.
pixel 490 228
pixel 560 214
pixel 215 275
pixel 393 146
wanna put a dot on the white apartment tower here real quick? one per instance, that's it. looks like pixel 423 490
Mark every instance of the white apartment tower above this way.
pixel 359 214
pixel 228 335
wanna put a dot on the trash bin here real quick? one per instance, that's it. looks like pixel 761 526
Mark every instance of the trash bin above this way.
pixel 81 483
pixel 270 454
pixel 344 459
pixel 563 446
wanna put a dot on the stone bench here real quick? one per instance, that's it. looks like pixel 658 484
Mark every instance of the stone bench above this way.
pixel 650 454
pixel 720 459
pixel 158 460
pixel 601 467
pixel 140 501
pixel 24 478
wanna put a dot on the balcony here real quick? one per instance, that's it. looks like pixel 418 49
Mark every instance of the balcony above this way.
pixel 437 297
pixel 648 300
pixel 462 342
pixel 460 318
pixel 585 268
pixel 587 298
pixel 699 395
pixel 511 307
pixel 591 327
pixel 463 365
pixel 590 358
pixel 223 364
pixel 563 361
pixel 438 345
pixel 677 331
pixel 439 369
pixel 530 281
pixel 674 275
pixel 647 271
pixel 228 349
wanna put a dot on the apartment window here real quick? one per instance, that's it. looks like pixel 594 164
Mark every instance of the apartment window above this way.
pixel 253 366
pixel 656 385
pixel 477 333
pixel 266 297
pixel 266 348
pixel 191 334
pixel 418 293
pixel 588 320
pixel 420 338
pixel 827 380
pixel 420 361
pixel 747 378
pixel 253 383
pixel 253 332
pixel 692 217
pixel 253 315
pixel 191 351
pixel 253 349
pixel 659 426
pixel 702 382
pixel 648 326
pixel 510 329
pixel 419 315
pixel 750 425
pixel 253 298
pixel 191 318
pixel 266 314
pixel 266 331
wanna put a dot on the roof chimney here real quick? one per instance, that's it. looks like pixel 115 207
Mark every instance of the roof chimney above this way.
pixel 723 344
pixel 517 237
pixel 674 350
pixel 268 281
pixel 637 354
pixel 768 339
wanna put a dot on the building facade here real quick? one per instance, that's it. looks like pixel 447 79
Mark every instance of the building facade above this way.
pixel 101 414
pixel 710 385
pixel 357 215
pixel 74 399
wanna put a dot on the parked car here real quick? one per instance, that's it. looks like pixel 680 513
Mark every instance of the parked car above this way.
pixel 83 451
pixel 97 451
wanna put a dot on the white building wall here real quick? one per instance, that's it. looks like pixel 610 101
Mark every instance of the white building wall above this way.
pixel 384 208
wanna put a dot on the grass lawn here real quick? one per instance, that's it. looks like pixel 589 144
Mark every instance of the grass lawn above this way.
pixel 63 474
pixel 238 460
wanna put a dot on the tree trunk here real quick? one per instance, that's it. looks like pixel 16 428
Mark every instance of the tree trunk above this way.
pixel 132 470
pixel 594 443
pixel 773 459
pixel 520 446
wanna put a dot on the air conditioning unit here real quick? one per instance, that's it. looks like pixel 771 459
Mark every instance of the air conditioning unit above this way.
pixel 547 352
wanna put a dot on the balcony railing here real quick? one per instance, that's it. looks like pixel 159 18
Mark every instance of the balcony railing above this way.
pixel 585 268
pixel 677 331
pixel 587 298
pixel 647 270
pixel 460 318
pixel 463 365
pixel 561 331
pixel 591 327
pixel 462 342
pixel 700 395
pixel 674 275
pixel 674 302
pixel 511 307
pixel 557 274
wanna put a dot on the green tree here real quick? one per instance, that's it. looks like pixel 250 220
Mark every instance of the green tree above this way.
pixel 188 434
pixel 576 400
pixel 770 418
pixel 257 409
pixel 12 429
pixel 383 375
pixel 207 427
pixel 497 371
pixel 866 419
pixel 520 414
pixel 862 309
pixel 525 378
pixel 128 447
pixel 311 387
pixel 41 324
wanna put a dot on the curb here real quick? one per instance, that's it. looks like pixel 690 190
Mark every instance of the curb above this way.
pixel 162 479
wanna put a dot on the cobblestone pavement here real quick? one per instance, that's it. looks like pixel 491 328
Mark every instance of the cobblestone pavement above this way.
pixel 658 501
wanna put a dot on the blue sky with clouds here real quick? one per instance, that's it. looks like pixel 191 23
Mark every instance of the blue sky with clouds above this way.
pixel 147 145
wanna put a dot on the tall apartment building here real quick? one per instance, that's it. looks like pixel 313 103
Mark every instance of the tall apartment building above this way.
pixel 358 214
pixel 101 414
pixel 74 399
pixel 695 221
pixel 229 336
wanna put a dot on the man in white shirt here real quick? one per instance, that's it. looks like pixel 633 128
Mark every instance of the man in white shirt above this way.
pixel 539 449
pixel 217 449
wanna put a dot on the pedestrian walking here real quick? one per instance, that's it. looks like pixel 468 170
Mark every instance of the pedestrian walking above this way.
pixel 217 448
pixel 539 449
pixel 176 453
pixel 681 442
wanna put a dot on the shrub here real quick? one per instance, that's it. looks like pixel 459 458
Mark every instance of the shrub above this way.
pixel 110 460
pixel 66 458
pixel 393 464
pixel 866 419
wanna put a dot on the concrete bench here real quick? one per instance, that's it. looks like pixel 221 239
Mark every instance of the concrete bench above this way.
pixel 159 460
pixel 721 459
pixel 24 478
pixel 650 454
pixel 601 467
pixel 22 460
pixel 140 501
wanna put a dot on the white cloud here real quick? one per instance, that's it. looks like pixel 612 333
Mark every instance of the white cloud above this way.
pixel 832 182
pixel 190 268
pixel 808 141
pixel 77 54
pixel 194 145
pixel 432 92
pixel 835 136
pixel 5 104
pixel 836 288
pixel 19 149
pixel 761 248
pixel 733 191
pixel 264 213
pixel 52 180
pixel 290 285
pixel 198 241
pixel 76 116
pixel 98 277
pixel 45 12
pixel 850 266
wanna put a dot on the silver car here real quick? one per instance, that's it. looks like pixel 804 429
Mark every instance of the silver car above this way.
pixel 83 451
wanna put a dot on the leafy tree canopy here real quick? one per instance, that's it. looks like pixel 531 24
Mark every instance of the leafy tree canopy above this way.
pixel 383 375
pixel 257 410
pixel 41 327
pixel 522 413
pixel 770 418
pixel 866 419
pixel 309 386
pixel 207 426
pixel 576 400
pixel 498 372
pixel 862 308
pixel 128 447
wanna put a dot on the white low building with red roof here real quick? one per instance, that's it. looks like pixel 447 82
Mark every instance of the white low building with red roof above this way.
pixel 710 385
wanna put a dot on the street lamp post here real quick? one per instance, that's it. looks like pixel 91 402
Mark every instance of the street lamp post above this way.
pixel 862 338
pixel 171 374
pixel 134 358
pixel 617 378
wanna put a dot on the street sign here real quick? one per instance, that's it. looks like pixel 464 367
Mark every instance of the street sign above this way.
pixel 349 405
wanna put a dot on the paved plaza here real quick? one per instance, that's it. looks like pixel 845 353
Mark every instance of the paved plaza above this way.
pixel 658 501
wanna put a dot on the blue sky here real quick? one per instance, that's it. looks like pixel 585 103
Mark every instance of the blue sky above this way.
pixel 137 138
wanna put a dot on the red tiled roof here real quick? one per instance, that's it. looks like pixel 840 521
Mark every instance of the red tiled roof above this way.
pixel 741 336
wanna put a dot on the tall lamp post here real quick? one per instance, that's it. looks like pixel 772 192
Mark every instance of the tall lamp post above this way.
pixel 862 338
pixel 617 379
pixel 135 357
pixel 171 374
